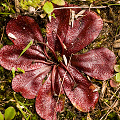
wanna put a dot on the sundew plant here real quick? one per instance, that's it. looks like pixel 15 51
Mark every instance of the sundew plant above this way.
pixel 53 67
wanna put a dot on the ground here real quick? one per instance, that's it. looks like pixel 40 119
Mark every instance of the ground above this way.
pixel 108 107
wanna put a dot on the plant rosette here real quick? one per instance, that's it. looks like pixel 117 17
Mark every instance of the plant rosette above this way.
pixel 52 67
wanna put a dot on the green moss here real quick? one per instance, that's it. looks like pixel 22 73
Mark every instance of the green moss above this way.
pixel 112 116
pixel 26 3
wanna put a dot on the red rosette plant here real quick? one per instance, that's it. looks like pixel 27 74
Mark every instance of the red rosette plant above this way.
pixel 52 67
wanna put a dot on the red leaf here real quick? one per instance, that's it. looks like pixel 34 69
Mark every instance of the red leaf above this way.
pixel 9 57
pixel 80 91
pixel 58 89
pixel 113 83
pixel 22 30
pixel 46 103
pixel 56 82
pixel 85 30
pixel 30 82
pixel 58 25
pixel 97 63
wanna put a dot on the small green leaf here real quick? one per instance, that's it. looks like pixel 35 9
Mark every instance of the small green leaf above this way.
pixel 98 11
pixel 117 68
pixel 10 113
pixel 53 15
pixel 1 116
pixel 60 58
pixel 20 70
pixel 30 43
pixel 48 7
pixel 117 77
pixel 59 2
pixel 13 71
pixel 6 7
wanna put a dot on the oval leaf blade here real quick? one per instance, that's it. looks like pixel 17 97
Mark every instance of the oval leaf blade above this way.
pixel 22 30
pixel 81 92
pixel 117 77
pixel 59 2
pixel 1 116
pixel 97 63
pixel 117 68
pixel 48 7
pixel 13 72
pixel 10 113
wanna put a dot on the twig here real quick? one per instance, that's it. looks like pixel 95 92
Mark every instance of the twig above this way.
pixel 2 35
pixel 104 86
pixel 85 7
pixel 111 108
pixel 115 93
pixel 109 111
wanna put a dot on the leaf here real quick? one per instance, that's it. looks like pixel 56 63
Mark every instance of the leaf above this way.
pixel 9 57
pixel 113 83
pixel 59 2
pixel 97 63
pixel 13 72
pixel 6 7
pixel 79 90
pixel 98 10
pixel 10 113
pixel 85 29
pixel 117 68
pixel 48 7
pixel 1 116
pixel 21 70
pixel 46 103
pixel 30 43
pixel 30 82
pixel 117 77
pixel 58 26
pixel 53 15
pixel 22 30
